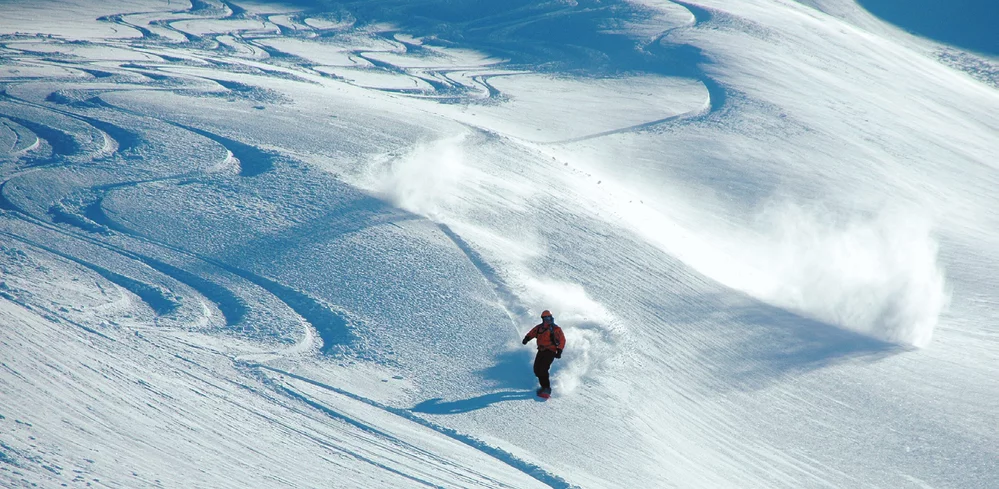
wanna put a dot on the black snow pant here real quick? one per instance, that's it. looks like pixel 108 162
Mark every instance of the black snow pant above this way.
pixel 542 362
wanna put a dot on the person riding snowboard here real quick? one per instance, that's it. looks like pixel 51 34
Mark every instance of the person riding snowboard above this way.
pixel 551 341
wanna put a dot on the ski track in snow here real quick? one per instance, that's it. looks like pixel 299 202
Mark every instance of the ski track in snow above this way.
pixel 368 199
pixel 251 162
pixel 528 468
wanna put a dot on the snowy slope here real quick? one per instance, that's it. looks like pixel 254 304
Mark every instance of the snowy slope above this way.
pixel 246 244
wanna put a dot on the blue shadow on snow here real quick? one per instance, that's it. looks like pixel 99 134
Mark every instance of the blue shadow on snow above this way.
pixel 511 372
pixel 540 36
pixel 967 24
pixel 772 343
pixel 438 406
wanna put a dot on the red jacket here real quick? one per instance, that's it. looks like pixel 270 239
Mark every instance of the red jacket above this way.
pixel 548 339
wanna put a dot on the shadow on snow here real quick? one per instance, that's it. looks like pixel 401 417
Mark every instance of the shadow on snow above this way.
pixel 511 372
pixel 766 343
pixel 968 24
pixel 438 406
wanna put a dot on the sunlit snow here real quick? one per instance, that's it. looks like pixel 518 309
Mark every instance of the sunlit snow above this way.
pixel 296 244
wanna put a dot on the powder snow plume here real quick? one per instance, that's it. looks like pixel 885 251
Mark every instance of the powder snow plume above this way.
pixel 423 180
pixel 591 332
pixel 876 275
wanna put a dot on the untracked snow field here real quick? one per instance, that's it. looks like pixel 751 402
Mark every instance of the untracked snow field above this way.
pixel 252 245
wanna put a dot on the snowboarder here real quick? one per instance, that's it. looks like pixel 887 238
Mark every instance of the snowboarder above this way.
pixel 551 341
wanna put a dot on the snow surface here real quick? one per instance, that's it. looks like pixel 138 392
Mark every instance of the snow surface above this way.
pixel 297 245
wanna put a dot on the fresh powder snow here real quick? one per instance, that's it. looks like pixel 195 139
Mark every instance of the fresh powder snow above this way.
pixel 253 244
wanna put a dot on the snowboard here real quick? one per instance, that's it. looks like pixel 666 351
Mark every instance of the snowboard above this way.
pixel 544 393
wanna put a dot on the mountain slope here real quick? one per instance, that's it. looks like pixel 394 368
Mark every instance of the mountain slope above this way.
pixel 250 244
